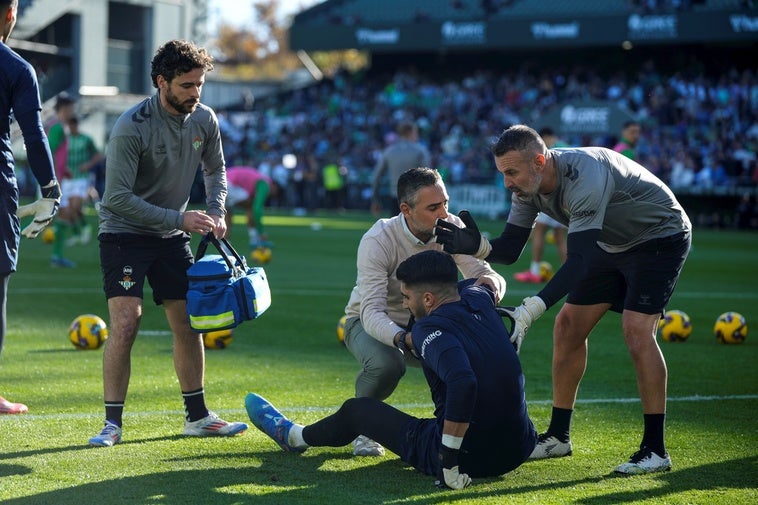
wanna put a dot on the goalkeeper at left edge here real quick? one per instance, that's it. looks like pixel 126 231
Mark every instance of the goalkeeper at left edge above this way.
pixel 481 426
pixel 19 97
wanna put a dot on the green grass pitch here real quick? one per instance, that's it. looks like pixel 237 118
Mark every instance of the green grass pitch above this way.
pixel 291 356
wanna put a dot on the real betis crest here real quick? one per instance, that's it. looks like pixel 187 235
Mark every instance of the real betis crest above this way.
pixel 197 143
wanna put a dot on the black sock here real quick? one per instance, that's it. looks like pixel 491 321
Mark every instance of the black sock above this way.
pixel 653 436
pixel 560 423
pixel 114 412
pixel 194 405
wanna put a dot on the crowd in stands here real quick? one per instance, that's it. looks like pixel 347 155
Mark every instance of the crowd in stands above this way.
pixel 699 131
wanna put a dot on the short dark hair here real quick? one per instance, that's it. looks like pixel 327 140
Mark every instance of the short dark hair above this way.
pixel 519 138
pixel 428 267
pixel 545 131
pixel 61 100
pixel 411 181
pixel 406 128
pixel 177 57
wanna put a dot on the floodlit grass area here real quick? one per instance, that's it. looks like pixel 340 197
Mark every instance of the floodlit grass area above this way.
pixel 291 356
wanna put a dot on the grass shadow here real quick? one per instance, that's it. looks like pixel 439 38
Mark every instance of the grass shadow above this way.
pixel 79 447
pixel 274 483
pixel 8 470
pixel 734 474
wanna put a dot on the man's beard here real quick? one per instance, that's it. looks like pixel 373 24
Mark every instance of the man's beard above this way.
pixel 186 107
pixel 425 235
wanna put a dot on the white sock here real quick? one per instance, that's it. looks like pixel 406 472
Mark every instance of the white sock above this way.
pixel 535 267
pixel 295 437
pixel 252 233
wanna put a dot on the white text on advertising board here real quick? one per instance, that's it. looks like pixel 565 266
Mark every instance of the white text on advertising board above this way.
pixel 463 33
pixel 384 37
pixel 584 119
pixel 652 27
pixel 555 30
pixel 742 23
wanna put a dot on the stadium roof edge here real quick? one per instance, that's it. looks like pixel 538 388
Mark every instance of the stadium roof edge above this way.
pixel 329 26
pixel 320 8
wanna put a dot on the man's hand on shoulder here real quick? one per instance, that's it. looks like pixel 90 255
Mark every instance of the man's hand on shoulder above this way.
pixel 493 284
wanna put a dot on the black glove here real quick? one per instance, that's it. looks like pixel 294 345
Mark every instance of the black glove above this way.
pixel 448 475
pixel 456 240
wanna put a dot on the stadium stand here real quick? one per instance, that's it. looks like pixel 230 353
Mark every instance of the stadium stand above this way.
pixel 698 104
pixel 689 123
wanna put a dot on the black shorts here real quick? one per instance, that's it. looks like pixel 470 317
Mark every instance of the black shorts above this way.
pixel 484 453
pixel 641 279
pixel 9 228
pixel 126 259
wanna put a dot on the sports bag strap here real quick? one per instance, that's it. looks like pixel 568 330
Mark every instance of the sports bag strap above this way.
pixel 223 251
pixel 241 263
pixel 202 246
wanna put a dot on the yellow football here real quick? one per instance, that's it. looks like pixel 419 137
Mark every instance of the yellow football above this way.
pixel 220 339
pixel 261 255
pixel 48 236
pixel 341 330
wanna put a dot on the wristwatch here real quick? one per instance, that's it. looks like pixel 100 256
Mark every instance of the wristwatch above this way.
pixel 400 342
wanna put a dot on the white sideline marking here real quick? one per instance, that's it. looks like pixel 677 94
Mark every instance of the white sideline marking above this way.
pixel 345 292
pixel 401 406
pixel 694 398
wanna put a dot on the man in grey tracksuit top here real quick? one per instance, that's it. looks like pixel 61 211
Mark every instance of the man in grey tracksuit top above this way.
pixel 403 154
pixel 153 155
pixel 628 239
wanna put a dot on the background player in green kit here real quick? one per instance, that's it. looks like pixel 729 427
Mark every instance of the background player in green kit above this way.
pixel 154 151
pixel 628 238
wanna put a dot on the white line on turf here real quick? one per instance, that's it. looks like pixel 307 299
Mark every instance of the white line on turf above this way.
pixel 401 406
pixel 341 292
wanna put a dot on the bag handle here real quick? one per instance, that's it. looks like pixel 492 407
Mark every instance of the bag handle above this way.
pixel 224 251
